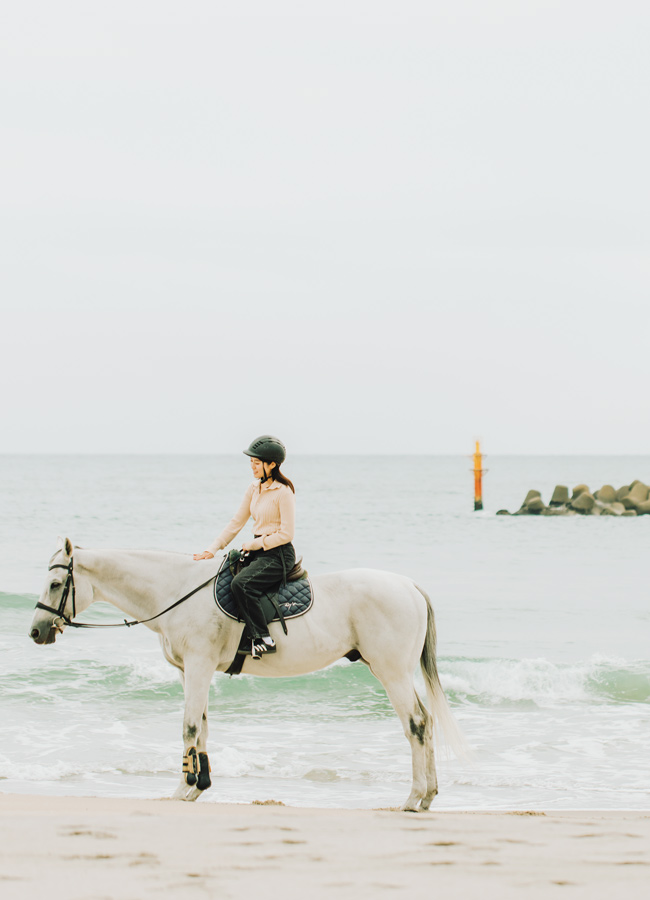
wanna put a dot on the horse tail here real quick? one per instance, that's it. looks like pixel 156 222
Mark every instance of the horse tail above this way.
pixel 445 725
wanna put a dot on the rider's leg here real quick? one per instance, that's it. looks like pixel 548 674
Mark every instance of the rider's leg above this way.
pixel 263 574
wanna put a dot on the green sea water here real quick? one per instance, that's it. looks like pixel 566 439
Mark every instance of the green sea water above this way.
pixel 543 636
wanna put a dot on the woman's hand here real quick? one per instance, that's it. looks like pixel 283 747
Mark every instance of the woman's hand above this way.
pixel 205 555
pixel 248 546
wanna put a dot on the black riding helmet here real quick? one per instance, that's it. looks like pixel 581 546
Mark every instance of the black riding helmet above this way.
pixel 268 449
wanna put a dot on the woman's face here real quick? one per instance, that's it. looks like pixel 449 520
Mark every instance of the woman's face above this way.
pixel 258 467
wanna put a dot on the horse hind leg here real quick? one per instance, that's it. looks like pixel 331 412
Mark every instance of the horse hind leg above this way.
pixel 430 762
pixel 418 728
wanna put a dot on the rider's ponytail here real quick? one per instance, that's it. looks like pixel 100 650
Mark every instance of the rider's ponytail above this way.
pixel 277 475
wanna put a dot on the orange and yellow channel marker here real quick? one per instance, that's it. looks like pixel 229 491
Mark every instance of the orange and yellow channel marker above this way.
pixel 478 477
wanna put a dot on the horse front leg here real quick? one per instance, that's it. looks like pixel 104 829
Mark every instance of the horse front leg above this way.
pixel 196 767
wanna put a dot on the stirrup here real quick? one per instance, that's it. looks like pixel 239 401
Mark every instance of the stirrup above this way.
pixel 260 646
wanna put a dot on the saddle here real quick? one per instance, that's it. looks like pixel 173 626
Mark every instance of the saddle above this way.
pixel 290 600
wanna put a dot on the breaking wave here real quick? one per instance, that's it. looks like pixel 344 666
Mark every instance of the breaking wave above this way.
pixel 539 682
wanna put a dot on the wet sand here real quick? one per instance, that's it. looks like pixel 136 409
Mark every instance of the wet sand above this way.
pixel 96 849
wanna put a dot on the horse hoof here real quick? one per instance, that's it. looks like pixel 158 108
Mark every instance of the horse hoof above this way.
pixel 186 794
pixel 427 799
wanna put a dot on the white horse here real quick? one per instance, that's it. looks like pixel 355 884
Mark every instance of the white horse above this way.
pixel 385 617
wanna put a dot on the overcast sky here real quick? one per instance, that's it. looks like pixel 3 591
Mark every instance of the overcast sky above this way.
pixel 366 226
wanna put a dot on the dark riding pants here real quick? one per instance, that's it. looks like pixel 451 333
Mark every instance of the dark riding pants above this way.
pixel 263 573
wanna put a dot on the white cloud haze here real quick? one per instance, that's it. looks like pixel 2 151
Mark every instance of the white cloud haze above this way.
pixel 365 226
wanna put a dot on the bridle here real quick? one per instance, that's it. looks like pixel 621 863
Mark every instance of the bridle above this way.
pixel 69 590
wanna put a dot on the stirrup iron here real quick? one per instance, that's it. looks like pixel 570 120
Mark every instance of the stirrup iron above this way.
pixel 260 646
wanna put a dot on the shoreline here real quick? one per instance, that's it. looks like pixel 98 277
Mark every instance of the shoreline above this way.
pixel 91 847
pixel 211 799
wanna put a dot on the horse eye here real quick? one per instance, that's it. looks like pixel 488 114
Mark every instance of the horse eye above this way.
pixel 55 585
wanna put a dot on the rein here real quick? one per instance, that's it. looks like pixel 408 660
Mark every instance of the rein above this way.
pixel 69 589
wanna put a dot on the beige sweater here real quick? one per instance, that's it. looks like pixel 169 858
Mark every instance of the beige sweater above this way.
pixel 273 508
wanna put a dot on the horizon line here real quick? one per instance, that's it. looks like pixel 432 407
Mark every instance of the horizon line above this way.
pixel 310 454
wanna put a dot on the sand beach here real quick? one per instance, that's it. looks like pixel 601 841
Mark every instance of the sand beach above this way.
pixel 101 848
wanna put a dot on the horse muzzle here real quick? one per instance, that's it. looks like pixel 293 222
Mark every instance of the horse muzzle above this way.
pixel 45 634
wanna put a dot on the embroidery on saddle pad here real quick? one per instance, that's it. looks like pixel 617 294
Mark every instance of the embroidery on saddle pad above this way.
pixel 294 598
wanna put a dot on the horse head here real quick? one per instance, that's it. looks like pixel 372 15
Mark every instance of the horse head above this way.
pixel 59 600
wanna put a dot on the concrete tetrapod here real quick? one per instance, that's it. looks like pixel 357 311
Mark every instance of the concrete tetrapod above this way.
pixel 583 503
pixel 628 500
pixel 560 495
pixel 638 494
pixel 607 494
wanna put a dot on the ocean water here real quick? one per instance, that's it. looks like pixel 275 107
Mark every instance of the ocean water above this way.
pixel 543 627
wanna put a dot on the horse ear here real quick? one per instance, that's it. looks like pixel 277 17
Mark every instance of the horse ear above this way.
pixel 64 544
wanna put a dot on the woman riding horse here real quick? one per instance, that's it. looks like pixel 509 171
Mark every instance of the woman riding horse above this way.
pixel 268 558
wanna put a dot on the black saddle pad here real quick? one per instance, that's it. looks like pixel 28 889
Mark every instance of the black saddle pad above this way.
pixel 294 598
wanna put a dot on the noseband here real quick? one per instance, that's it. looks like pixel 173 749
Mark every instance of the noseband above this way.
pixel 68 589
